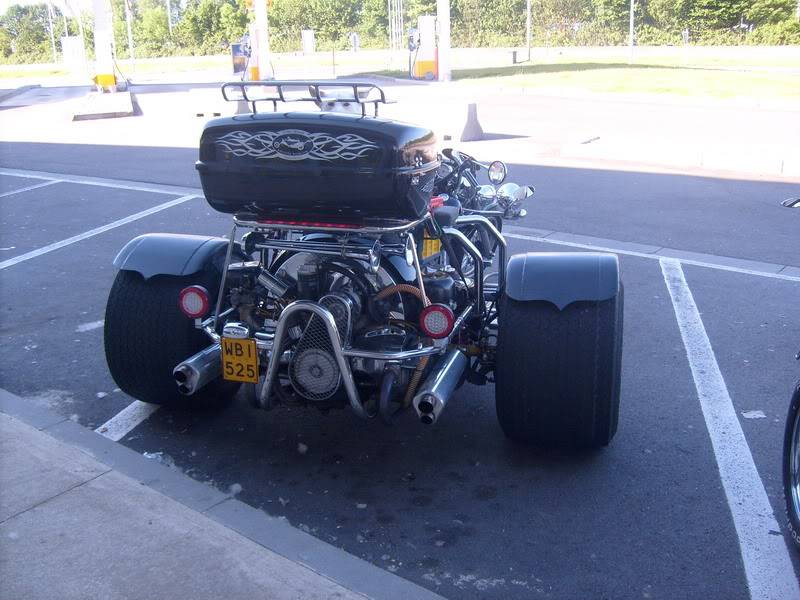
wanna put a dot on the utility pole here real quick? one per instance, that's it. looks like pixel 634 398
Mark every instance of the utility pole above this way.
pixel 130 35
pixel 528 29
pixel 630 34
pixel 169 17
pixel 52 36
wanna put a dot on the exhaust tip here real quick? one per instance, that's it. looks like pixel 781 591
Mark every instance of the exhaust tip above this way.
pixel 426 405
pixel 426 419
pixel 185 390
pixel 180 376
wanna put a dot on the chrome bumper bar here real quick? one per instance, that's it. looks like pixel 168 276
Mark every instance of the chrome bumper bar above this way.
pixel 336 343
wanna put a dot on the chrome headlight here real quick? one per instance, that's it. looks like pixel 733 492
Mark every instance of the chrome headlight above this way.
pixel 511 192
pixel 487 192
pixel 497 172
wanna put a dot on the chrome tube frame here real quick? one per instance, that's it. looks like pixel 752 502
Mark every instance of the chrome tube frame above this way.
pixel 495 233
pixel 417 266
pixel 221 293
pixel 336 343
pixel 365 229
pixel 343 249
pixel 477 257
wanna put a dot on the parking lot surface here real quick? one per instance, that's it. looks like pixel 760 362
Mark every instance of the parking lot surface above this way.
pixel 455 507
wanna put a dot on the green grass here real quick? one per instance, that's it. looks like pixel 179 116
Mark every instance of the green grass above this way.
pixel 736 72
pixel 640 79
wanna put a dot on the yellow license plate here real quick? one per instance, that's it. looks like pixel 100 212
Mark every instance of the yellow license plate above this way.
pixel 239 360
pixel 430 247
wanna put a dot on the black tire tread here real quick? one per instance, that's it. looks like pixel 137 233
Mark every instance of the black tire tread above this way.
pixel 792 517
pixel 146 336
pixel 558 372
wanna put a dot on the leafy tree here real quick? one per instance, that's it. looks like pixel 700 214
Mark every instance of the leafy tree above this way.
pixel 612 13
pixel 374 21
pixel 334 18
pixel 6 44
pixel 716 14
pixel 560 20
pixel 287 18
pixel 151 31
pixel 415 8
pixel 28 28
pixel 770 11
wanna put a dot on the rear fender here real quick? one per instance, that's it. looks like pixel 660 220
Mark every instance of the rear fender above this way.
pixel 562 278
pixel 171 254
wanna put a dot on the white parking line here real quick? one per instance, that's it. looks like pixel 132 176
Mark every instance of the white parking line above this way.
pixel 36 186
pixel 92 232
pixel 121 184
pixel 653 256
pixel 767 564
pixel 125 421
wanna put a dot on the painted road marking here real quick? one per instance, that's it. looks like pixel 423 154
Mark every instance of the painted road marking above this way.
pixel 36 186
pixel 84 327
pixel 125 421
pixel 93 232
pixel 767 564
pixel 122 184
pixel 652 256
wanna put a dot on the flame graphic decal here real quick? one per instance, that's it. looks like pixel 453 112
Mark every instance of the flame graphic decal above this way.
pixel 295 144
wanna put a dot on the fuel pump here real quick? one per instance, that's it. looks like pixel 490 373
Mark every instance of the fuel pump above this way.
pixel 423 50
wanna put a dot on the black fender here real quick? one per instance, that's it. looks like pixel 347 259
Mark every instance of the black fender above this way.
pixel 562 278
pixel 171 254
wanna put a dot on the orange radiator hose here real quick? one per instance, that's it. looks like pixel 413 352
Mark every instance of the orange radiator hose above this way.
pixel 403 287
pixel 423 362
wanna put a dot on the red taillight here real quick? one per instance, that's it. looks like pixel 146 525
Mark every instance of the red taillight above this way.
pixel 193 301
pixel 436 202
pixel 436 321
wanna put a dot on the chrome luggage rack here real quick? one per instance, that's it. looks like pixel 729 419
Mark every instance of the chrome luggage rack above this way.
pixel 291 91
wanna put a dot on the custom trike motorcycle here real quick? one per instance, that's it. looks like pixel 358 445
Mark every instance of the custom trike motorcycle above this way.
pixel 348 286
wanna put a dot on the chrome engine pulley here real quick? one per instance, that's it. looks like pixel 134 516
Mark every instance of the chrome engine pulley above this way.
pixel 313 371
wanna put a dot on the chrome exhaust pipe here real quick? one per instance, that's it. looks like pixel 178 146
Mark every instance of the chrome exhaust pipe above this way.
pixel 198 370
pixel 432 397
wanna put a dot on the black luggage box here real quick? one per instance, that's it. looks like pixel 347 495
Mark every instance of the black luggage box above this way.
pixel 317 167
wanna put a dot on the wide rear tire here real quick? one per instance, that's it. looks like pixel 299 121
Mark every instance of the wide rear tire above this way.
pixel 147 336
pixel 791 468
pixel 558 371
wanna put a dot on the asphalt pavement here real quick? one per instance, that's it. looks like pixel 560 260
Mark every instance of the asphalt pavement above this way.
pixel 456 508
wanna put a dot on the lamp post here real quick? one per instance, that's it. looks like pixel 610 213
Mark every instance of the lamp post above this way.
pixel 128 20
pixel 52 36
pixel 630 34
pixel 528 29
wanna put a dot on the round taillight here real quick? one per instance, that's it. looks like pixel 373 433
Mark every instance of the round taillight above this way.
pixel 436 321
pixel 193 301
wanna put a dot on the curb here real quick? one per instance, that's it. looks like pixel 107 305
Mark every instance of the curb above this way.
pixel 106 106
pixel 20 90
pixel 272 533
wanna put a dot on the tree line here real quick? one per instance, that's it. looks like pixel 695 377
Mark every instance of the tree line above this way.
pixel 200 27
